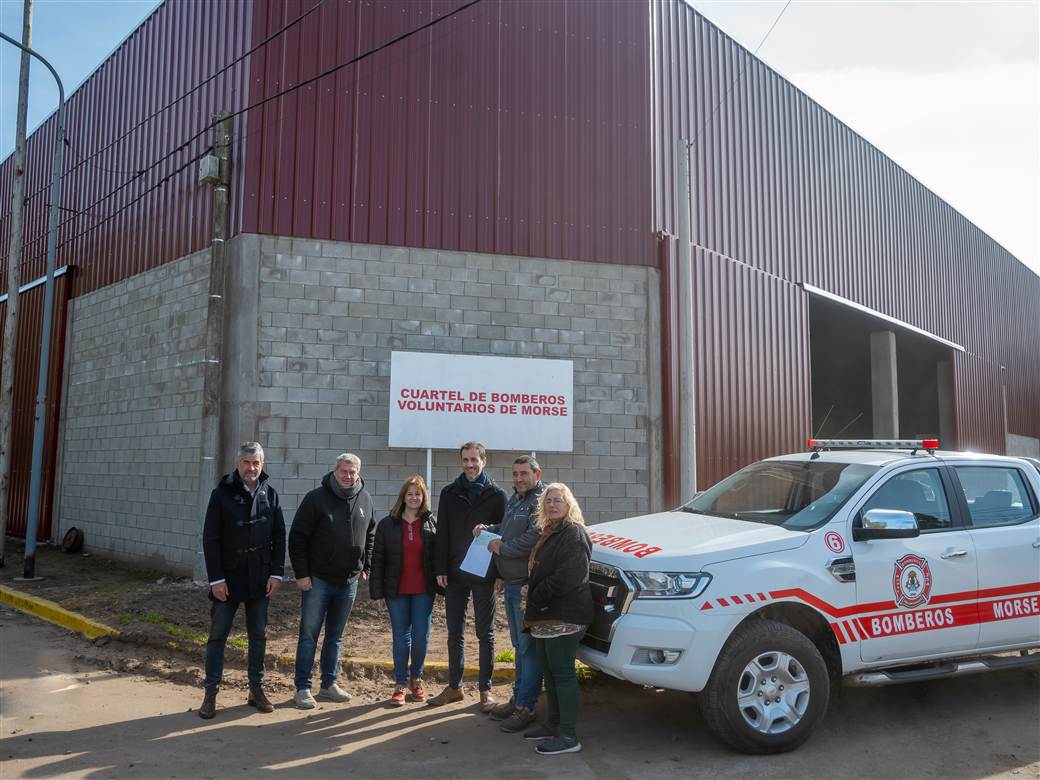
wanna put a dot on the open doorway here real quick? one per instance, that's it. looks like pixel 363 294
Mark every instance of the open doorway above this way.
pixel 843 386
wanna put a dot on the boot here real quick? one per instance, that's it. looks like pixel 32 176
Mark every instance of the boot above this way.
pixel 209 705
pixel 258 699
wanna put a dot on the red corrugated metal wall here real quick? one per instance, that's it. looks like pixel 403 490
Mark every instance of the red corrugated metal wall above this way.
pixel 537 128
pixel 785 193
pixel 511 127
pixel 23 408
pixel 751 369
pixel 127 204
pixel 133 203
pixel 751 338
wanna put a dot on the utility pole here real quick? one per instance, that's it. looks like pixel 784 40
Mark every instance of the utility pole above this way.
pixel 215 169
pixel 36 480
pixel 687 397
pixel 14 275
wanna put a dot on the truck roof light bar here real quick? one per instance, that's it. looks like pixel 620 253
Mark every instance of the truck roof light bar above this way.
pixel 931 445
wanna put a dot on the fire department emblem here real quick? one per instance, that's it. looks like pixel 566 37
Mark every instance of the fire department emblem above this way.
pixel 912 581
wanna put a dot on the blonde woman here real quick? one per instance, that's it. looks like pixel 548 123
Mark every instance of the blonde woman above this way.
pixel 403 576
pixel 559 609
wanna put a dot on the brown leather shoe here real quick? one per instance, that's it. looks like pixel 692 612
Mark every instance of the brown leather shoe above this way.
pixel 447 696
pixel 258 699
pixel 503 710
pixel 209 705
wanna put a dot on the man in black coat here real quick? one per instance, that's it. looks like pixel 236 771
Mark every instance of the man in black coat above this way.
pixel 471 500
pixel 330 546
pixel 243 541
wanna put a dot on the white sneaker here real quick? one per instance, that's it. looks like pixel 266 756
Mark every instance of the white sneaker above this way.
pixel 334 693
pixel 304 700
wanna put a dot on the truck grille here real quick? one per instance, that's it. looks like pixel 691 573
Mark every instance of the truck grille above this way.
pixel 611 594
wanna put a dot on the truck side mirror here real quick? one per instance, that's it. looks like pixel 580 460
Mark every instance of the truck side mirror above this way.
pixel 885 524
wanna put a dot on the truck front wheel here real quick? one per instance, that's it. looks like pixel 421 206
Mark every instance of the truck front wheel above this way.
pixel 768 690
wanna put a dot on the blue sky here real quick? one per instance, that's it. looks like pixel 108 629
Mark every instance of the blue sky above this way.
pixel 949 90
pixel 75 36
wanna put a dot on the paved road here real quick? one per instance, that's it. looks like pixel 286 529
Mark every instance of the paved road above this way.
pixel 59 717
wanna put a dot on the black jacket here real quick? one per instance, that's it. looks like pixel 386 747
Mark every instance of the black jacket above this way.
pixel 243 547
pixel 558 587
pixel 331 537
pixel 457 514
pixel 388 551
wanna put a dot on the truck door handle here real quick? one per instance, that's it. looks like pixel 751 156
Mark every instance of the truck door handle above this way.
pixel 953 554
pixel 1036 543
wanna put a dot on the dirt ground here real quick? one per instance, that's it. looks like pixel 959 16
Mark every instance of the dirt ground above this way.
pixel 62 717
pixel 151 610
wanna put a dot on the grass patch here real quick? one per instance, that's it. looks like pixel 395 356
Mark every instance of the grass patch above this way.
pixel 174 630
pixel 236 641
pixel 506 657
pixel 124 620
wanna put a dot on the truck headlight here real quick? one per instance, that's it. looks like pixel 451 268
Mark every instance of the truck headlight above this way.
pixel 662 584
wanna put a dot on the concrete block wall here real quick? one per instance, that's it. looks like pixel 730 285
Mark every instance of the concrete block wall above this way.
pixel 130 425
pixel 1028 446
pixel 331 313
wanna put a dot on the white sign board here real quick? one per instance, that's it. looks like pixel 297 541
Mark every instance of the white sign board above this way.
pixel 441 401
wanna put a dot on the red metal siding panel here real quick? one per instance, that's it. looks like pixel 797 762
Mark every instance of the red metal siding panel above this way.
pixel 516 128
pixel 751 353
pixel 124 206
pixel 782 187
pixel 23 407
pixel 119 216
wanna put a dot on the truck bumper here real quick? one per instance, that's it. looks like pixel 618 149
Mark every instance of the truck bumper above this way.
pixel 646 638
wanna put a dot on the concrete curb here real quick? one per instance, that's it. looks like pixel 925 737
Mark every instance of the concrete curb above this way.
pixel 288 663
pixel 91 629
pixel 54 613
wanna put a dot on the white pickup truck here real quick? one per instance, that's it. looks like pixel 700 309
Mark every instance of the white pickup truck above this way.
pixel 876 562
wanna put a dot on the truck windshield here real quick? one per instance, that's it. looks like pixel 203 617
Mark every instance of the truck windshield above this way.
pixel 798 495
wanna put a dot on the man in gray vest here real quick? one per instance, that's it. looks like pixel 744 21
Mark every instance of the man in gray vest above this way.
pixel 519 536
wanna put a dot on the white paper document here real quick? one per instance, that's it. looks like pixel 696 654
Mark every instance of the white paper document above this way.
pixel 478 556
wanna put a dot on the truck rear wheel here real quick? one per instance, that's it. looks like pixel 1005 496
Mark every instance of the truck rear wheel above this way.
pixel 769 689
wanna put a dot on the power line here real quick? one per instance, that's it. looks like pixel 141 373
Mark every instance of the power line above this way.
pixel 109 217
pixel 137 174
pixel 257 104
pixel 342 65
pixel 736 78
pixel 189 93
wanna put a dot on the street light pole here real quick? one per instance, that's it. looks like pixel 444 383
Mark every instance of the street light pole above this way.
pixel 35 484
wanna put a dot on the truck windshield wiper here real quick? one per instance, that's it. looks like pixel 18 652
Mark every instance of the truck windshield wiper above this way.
pixel 726 515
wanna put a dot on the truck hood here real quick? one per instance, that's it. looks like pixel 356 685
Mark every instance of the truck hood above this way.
pixel 682 541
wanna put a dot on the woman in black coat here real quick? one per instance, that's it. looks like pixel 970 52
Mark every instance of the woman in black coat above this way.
pixel 403 576
pixel 559 609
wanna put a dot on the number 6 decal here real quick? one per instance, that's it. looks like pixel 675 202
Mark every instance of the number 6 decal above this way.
pixel 834 541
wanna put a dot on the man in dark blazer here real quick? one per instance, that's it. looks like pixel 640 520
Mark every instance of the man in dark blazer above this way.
pixel 471 500
pixel 244 544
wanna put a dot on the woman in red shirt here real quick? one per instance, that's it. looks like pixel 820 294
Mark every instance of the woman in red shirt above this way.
pixel 402 575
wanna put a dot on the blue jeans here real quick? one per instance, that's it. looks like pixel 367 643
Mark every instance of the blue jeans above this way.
pixel 221 616
pixel 329 604
pixel 410 618
pixel 528 681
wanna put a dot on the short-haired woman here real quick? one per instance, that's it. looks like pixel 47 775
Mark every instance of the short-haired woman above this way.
pixel 403 575
pixel 559 609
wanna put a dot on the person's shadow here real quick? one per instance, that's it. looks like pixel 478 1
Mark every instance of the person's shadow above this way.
pixel 366 740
